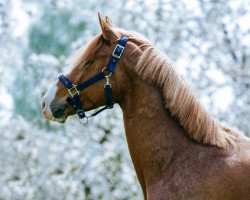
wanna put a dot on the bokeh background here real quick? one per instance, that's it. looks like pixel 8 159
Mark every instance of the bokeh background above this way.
pixel 207 40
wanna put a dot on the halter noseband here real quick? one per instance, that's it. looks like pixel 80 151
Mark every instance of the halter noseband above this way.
pixel 74 90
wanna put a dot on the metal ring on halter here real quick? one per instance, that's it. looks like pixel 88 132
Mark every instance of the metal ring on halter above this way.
pixel 85 121
pixel 106 76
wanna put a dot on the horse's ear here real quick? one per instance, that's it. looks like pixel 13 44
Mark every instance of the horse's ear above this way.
pixel 107 31
pixel 108 21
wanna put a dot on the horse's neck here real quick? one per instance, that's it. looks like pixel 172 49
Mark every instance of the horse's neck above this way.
pixel 153 136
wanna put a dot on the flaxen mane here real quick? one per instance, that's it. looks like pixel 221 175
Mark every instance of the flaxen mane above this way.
pixel 181 101
pixel 154 66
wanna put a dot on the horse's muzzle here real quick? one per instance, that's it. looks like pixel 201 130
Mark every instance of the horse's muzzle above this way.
pixel 58 110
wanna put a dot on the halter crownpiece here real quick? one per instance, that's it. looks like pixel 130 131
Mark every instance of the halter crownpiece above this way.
pixel 74 90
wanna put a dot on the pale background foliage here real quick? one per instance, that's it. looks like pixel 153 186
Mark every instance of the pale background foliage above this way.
pixel 207 40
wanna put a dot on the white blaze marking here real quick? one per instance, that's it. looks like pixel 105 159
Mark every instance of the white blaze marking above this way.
pixel 48 98
pixel 51 93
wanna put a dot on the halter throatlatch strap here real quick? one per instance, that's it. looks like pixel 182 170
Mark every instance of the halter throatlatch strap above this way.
pixel 74 90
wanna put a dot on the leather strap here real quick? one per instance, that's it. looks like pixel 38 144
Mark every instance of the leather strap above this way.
pixel 117 53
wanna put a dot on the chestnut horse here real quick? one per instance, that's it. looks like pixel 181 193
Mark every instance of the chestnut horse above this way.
pixel 178 150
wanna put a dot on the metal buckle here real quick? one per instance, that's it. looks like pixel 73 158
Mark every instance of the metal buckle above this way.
pixel 73 90
pixel 108 75
pixel 120 53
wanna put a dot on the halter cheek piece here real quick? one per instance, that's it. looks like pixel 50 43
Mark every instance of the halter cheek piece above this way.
pixel 74 90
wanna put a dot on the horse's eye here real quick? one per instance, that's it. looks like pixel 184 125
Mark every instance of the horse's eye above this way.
pixel 89 62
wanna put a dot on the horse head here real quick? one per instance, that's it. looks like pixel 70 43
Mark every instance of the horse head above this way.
pixel 93 70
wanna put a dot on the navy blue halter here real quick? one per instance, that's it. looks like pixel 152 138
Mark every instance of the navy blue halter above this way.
pixel 74 90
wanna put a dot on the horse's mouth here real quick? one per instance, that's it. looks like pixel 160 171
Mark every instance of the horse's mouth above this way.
pixel 60 120
pixel 55 119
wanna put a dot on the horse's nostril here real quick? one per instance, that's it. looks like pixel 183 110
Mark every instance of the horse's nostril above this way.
pixel 43 104
pixel 57 111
